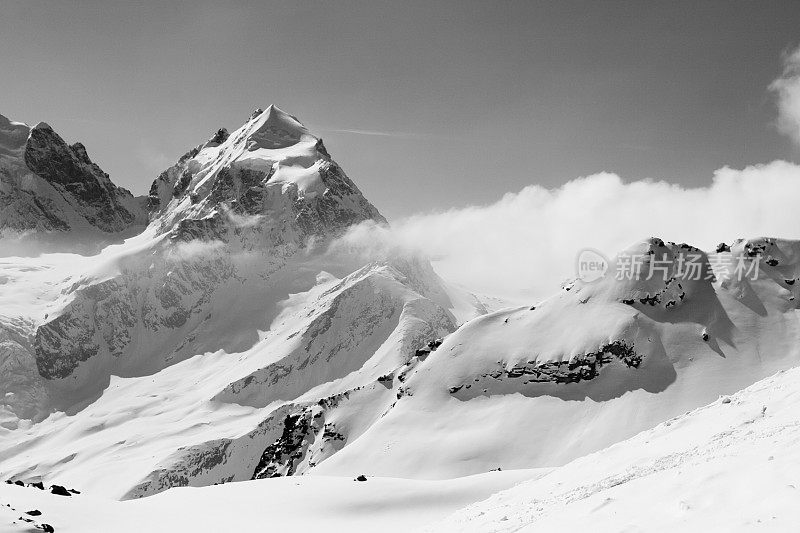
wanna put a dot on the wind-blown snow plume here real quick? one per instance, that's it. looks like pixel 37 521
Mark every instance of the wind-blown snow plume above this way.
pixel 526 243
pixel 787 88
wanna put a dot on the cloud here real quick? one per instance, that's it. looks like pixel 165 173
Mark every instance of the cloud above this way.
pixel 188 251
pixel 371 132
pixel 240 220
pixel 391 134
pixel 525 244
pixel 787 89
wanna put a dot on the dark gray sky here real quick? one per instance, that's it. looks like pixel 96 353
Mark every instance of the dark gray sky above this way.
pixel 473 99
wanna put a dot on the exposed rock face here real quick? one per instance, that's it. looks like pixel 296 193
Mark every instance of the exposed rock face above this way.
pixel 280 457
pixel 48 186
pixel 102 319
pixel 69 167
pixel 580 368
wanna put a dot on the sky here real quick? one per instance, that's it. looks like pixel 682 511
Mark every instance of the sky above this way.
pixel 428 106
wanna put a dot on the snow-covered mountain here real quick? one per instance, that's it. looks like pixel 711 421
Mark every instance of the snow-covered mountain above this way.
pixel 53 195
pixel 542 385
pixel 229 341
pixel 231 221
pixel 225 312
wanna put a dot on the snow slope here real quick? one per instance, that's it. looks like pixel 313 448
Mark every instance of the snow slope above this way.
pixel 733 465
pixel 337 383
pixel 605 360
pixel 302 503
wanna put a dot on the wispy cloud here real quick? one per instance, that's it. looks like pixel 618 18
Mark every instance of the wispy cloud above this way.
pixel 153 159
pixel 787 89
pixel 375 133
pixel 390 134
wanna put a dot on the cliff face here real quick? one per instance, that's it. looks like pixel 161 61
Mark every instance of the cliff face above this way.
pixel 53 190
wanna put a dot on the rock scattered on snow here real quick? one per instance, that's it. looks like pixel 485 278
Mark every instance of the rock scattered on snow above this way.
pixel 59 490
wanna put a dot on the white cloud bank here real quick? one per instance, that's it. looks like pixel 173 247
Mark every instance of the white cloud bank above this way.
pixel 787 90
pixel 525 244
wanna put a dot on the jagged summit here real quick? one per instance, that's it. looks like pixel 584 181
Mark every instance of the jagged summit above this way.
pixel 270 167
pixel 52 192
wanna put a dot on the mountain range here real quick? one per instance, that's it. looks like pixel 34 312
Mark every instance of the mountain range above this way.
pixel 214 332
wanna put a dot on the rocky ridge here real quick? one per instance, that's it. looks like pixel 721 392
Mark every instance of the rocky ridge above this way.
pixel 51 190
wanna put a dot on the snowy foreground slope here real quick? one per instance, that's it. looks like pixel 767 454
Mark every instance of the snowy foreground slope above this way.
pixel 733 465
pixel 730 466
pixel 302 504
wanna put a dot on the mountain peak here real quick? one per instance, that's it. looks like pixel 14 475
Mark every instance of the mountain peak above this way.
pixel 274 128
pixel 271 166
pixel 43 126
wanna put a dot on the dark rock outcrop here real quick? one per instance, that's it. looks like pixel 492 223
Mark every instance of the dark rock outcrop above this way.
pixel 575 370
pixel 58 490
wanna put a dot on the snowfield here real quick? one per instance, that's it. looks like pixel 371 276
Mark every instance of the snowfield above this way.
pixel 733 465
pixel 300 503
